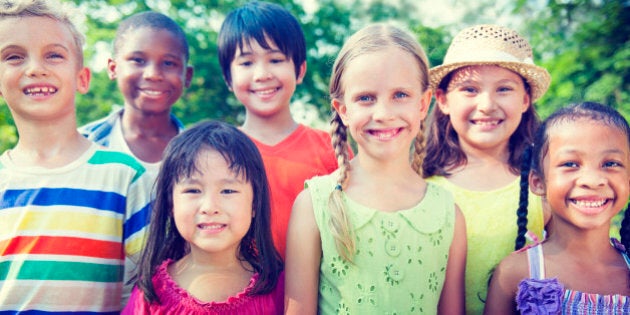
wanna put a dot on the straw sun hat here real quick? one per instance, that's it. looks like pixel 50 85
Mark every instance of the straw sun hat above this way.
pixel 492 45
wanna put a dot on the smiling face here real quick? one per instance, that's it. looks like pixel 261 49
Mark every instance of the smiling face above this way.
pixel 586 170
pixel 40 70
pixel 383 102
pixel 264 80
pixel 485 105
pixel 150 69
pixel 212 209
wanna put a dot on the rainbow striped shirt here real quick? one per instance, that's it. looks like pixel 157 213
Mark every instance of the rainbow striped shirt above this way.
pixel 65 233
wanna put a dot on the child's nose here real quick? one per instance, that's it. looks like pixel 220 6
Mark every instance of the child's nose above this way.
pixel 261 73
pixel 591 178
pixel 209 206
pixel 485 102
pixel 36 68
pixel 383 111
pixel 152 72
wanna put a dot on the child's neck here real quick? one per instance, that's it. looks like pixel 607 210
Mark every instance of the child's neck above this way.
pixel 210 278
pixel 483 171
pixel 586 242
pixel 136 122
pixel 369 182
pixel 147 135
pixel 48 146
pixel 269 130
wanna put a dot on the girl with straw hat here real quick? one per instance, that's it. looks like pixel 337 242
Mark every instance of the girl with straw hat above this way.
pixel 481 126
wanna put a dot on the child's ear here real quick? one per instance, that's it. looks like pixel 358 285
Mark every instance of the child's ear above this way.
pixel 83 80
pixel 526 102
pixel 111 69
pixel 340 107
pixel 189 75
pixel 425 102
pixel 440 99
pixel 536 183
pixel 302 73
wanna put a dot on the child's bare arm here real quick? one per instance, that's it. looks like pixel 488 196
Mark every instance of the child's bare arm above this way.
pixel 504 284
pixel 303 255
pixel 452 298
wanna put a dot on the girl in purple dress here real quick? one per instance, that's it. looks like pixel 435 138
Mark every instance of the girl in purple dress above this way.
pixel 581 168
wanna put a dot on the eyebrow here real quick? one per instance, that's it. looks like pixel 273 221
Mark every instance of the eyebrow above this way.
pixel 56 45
pixel 267 52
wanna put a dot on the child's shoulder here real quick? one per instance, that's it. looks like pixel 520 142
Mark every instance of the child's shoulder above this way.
pixel 107 156
pixel 513 268
pixel 304 130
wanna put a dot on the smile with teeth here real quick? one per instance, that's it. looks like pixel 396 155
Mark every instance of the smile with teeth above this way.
pixel 385 134
pixel 486 122
pixel 266 91
pixel 40 91
pixel 213 226
pixel 152 92
pixel 589 203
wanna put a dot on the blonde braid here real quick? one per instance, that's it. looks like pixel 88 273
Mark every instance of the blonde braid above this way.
pixel 419 152
pixel 339 222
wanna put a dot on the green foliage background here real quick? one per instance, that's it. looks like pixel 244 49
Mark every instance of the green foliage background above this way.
pixel 583 43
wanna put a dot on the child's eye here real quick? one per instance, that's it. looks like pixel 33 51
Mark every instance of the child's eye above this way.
pixel 610 164
pixel 365 98
pixel 505 89
pixel 468 89
pixel 400 95
pixel 228 191
pixel 278 60
pixel 55 55
pixel 137 60
pixel 170 63
pixel 191 190
pixel 245 63
pixel 569 164
pixel 13 58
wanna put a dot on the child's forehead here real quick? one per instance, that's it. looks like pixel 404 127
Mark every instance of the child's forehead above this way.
pixel 474 71
pixel 36 30
pixel 248 43
pixel 580 130
pixel 147 36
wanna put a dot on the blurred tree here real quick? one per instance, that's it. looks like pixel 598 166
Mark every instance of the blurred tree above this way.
pixel 585 46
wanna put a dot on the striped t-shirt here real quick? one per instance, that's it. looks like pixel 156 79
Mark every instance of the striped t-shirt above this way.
pixel 65 232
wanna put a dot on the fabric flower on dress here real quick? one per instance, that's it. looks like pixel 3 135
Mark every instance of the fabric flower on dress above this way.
pixel 539 296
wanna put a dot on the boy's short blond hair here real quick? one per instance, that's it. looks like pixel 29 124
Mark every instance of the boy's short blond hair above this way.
pixel 54 9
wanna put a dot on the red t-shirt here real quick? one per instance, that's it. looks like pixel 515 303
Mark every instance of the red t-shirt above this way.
pixel 305 153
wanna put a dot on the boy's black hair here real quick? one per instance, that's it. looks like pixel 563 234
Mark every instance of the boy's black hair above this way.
pixel 154 20
pixel 263 22
pixel 181 161
pixel 586 110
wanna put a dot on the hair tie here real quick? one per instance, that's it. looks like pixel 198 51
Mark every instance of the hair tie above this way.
pixel 338 187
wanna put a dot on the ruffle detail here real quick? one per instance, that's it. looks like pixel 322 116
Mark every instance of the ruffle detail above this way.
pixel 540 296
pixel 175 296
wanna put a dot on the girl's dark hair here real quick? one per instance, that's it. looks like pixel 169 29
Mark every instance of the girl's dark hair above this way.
pixel 523 199
pixel 181 161
pixel 263 22
pixel 443 151
pixel 587 110
pixel 153 20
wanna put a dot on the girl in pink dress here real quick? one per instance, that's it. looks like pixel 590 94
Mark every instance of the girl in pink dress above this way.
pixel 209 249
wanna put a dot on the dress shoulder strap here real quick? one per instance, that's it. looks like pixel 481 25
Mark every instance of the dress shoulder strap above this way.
pixel 621 249
pixel 536 262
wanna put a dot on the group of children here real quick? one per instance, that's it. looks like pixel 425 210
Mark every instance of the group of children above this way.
pixel 421 220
